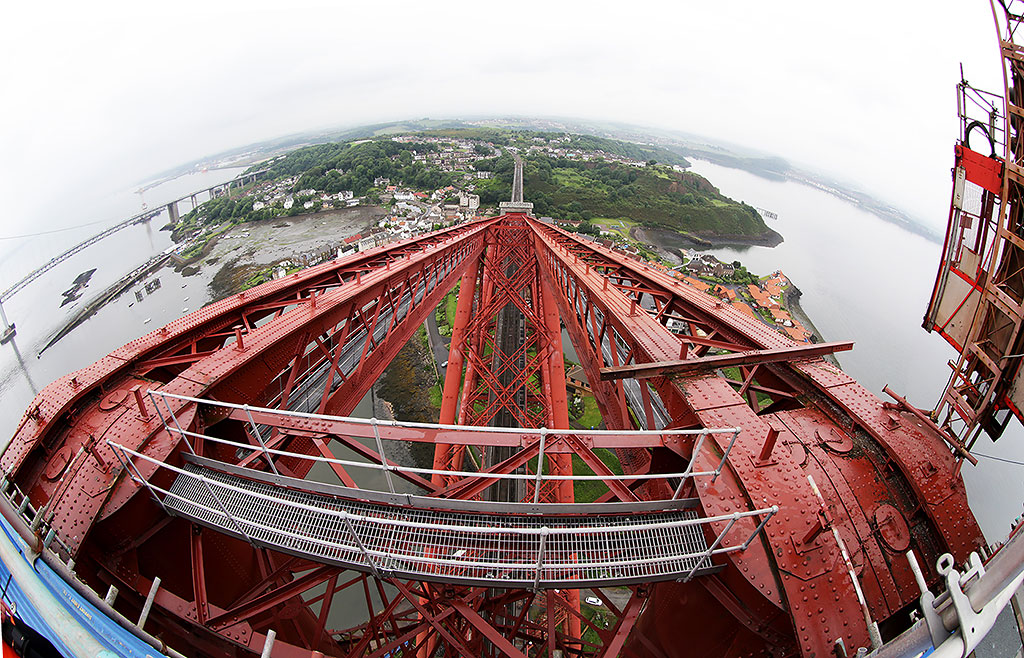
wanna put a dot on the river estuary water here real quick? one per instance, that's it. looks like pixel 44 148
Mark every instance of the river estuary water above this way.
pixel 862 279
pixel 869 281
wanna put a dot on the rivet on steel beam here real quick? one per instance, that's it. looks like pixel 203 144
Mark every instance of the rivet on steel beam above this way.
pixel 139 402
pixel 238 339
pixel 769 445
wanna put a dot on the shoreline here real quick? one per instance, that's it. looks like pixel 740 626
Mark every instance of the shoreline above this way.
pixel 373 212
pixel 791 297
pixel 229 255
pixel 110 294
pixel 668 239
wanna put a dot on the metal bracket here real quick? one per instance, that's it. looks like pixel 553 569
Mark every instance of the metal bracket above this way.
pixel 970 626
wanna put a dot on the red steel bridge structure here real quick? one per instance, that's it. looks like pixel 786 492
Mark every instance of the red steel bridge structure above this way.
pixel 764 502
pixel 766 511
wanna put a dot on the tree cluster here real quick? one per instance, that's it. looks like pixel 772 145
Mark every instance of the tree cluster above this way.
pixel 333 168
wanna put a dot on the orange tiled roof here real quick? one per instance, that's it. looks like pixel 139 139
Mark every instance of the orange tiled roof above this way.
pixel 797 333
pixel 761 297
pixel 745 308
pixel 699 285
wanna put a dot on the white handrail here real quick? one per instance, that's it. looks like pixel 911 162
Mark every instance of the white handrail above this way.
pixel 548 562
pixel 475 428
pixel 388 468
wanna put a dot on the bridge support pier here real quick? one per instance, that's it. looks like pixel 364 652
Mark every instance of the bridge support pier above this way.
pixel 172 211
pixel 8 330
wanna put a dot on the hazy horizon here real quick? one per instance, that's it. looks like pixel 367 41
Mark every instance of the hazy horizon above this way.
pixel 104 96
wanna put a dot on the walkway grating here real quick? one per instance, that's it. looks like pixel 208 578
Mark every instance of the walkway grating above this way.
pixel 535 551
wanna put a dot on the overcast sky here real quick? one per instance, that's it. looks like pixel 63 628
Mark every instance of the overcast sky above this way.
pixel 104 94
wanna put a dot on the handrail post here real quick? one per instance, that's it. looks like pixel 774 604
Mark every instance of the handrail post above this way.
pixel 711 549
pixel 725 455
pixel 259 439
pixel 540 466
pixel 380 451
pixel 224 509
pixel 148 606
pixel 544 531
pixel 760 527
pixel 689 467
pixel 362 547
pixel 126 463
pixel 181 432
pixel 163 420
pixel 268 643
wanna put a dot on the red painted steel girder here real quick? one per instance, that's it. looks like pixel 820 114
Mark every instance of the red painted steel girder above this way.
pixel 193 337
pixel 513 374
pixel 319 340
pixel 608 299
pixel 351 315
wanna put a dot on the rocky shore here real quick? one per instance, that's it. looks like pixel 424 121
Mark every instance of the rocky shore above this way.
pixel 664 238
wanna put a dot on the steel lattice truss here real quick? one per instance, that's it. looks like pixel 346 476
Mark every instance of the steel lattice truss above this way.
pixel 978 301
pixel 94 446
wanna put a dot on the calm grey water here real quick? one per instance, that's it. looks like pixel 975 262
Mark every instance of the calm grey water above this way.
pixel 869 281
pixel 36 310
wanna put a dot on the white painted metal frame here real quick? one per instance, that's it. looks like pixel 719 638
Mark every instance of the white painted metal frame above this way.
pixel 519 550
pixel 372 424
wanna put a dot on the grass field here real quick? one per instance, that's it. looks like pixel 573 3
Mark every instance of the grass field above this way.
pixel 450 303
pixel 587 491
pixel 591 417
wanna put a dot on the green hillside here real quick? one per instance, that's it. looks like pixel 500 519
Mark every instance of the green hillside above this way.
pixel 655 196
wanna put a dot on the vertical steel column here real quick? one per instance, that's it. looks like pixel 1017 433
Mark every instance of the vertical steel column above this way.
pixel 448 457
pixel 473 341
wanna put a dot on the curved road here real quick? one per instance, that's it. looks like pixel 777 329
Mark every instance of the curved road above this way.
pixel 438 345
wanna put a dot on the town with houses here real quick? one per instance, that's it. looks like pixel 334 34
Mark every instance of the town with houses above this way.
pixel 413 212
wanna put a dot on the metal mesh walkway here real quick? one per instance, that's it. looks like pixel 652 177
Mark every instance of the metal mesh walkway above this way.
pixel 448 546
